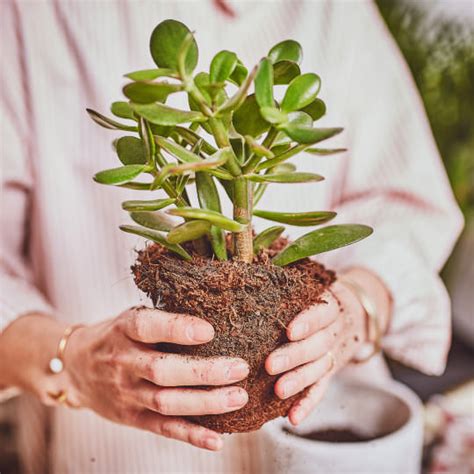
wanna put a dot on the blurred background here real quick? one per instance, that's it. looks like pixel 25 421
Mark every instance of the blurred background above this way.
pixel 437 39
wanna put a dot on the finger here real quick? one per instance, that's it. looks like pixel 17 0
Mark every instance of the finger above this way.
pixel 187 402
pixel 302 408
pixel 179 429
pixel 152 325
pixel 298 353
pixel 314 319
pixel 297 380
pixel 172 370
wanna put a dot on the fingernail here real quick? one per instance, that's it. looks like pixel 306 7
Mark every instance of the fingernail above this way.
pixel 288 388
pixel 236 398
pixel 213 443
pixel 279 364
pixel 200 332
pixel 299 331
pixel 238 371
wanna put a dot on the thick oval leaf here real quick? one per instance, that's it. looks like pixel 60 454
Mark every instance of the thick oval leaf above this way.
pixel 153 220
pixel 122 110
pixel 301 91
pixel 148 92
pixel 161 114
pixel 285 71
pixel 264 84
pixel 108 123
pixel 122 175
pixel 322 240
pixel 273 115
pixel 288 50
pixel 296 177
pixel 316 109
pixel 150 74
pixel 191 137
pixel 156 237
pixel 215 218
pixel 247 120
pixel 222 66
pixel 325 151
pixel 257 148
pixel 301 219
pixel 300 118
pixel 308 135
pixel 191 230
pixel 130 151
pixel 165 44
pixel 137 186
pixel 266 238
pixel 153 205
pixel 286 155
pixel 239 75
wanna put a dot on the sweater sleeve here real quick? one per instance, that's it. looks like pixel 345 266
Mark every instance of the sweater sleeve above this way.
pixel 395 182
pixel 18 294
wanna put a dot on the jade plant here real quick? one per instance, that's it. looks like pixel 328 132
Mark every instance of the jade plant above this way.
pixel 234 134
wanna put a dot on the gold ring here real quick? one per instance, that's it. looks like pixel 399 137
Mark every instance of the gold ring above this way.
pixel 333 360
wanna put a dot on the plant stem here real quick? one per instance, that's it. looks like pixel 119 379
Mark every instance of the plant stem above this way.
pixel 242 213
pixel 255 159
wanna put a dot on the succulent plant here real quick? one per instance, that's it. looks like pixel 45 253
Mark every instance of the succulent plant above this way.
pixel 229 137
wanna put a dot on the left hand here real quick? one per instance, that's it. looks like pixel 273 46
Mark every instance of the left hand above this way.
pixel 324 338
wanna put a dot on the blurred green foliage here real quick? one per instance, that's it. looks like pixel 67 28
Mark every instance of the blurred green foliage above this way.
pixel 440 53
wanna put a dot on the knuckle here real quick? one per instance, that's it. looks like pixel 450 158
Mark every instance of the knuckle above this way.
pixel 155 371
pixel 160 403
pixel 166 429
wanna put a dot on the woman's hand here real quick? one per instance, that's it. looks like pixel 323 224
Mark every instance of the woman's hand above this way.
pixel 324 338
pixel 115 371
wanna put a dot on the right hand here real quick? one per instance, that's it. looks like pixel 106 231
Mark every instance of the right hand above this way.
pixel 114 370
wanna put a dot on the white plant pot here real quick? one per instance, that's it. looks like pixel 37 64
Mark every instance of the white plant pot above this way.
pixel 392 413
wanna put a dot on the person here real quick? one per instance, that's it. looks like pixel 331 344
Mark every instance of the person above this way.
pixel 64 262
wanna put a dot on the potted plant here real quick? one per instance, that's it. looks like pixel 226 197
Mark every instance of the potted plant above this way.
pixel 249 287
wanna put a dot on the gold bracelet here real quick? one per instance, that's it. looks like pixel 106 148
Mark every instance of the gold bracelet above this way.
pixel 372 318
pixel 56 364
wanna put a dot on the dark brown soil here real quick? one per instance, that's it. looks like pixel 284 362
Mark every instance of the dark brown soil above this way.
pixel 335 435
pixel 249 306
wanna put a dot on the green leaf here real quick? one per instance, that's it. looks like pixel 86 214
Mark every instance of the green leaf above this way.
pixel 108 123
pixel 239 74
pixel 285 71
pixel 208 197
pixel 286 155
pixel 264 84
pixel 161 114
pixel 273 115
pixel 222 66
pixel 137 186
pixel 234 102
pixel 296 177
pixel 266 238
pixel 300 118
pixel 316 109
pixel 322 240
pixel 122 175
pixel 301 91
pixel 150 74
pixel 148 141
pixel 302 219
pixel 149 92
pixel 122 110
pixel 288 50
pixel 247 120
pixel 191 230
pixel 215 218
pixel 153 220
pixel 325 151
pixel 161 130
pixel 165 44
pixel 130 151
pixel 183 52
pixel 153 205
pixel 308 135
pixel 156 237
